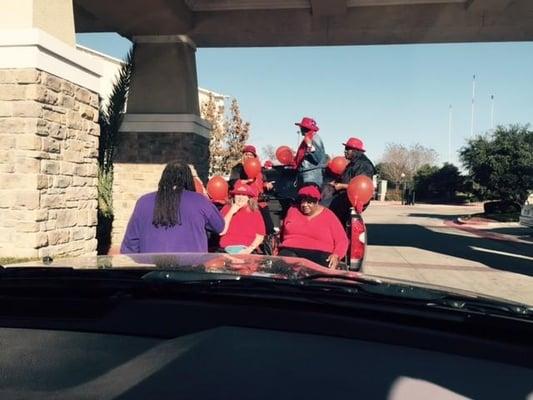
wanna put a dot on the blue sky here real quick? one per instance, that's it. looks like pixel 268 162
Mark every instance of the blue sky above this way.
pixel 380 94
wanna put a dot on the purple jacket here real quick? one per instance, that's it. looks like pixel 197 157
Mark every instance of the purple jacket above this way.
pixel 198 214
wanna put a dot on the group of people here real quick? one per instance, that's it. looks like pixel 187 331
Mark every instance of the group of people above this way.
pixel 177 218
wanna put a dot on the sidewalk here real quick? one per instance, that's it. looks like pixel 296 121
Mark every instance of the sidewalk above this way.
pixel 422 243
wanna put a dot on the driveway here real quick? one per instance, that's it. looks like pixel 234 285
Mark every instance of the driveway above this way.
pixel 422 243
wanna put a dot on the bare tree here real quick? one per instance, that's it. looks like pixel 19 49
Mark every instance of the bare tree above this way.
pixel 228 136
pixel 269 152
pixel 419 156
pixel 212 114
pixel 400 163
pixel 237 134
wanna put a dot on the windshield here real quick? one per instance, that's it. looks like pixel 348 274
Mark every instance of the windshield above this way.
pixel 359 140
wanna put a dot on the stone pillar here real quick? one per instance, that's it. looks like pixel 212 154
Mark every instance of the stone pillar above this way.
pixel 48 135
pixel 162 123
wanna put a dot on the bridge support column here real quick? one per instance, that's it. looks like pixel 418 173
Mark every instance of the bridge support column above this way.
pixel 49 133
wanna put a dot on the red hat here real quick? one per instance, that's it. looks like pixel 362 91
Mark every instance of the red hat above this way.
pixel 309 191
pixel 250 149
pixel 268 164
pixel 308 123
pixel 244 189
pixel 355 144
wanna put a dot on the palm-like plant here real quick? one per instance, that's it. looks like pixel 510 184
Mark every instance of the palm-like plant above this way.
pixel 110 118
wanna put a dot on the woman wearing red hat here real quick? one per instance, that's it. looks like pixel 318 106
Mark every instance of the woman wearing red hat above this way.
pixel 312 231
pixel 244 228
pixel 238 173
pixel 310 159
pixel 359 164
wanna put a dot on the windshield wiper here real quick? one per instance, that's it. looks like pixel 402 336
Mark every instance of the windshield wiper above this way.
pixel 350 285
pixel 188 277
pixel 439 298
pixel 401 292
pixel 336 278
pixel 482 305
pixel 330 288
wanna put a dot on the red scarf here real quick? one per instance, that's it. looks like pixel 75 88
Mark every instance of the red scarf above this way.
pixel 302 150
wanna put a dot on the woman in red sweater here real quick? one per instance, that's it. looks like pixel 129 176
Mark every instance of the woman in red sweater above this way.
pixel 237 173
pixel 244 226
pixel 312 231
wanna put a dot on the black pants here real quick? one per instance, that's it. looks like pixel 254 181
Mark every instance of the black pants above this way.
pixel 317 256
pixel 342 208
pixel 340 205
pixel 267 218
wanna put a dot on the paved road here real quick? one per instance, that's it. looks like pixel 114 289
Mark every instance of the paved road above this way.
pixel 421 243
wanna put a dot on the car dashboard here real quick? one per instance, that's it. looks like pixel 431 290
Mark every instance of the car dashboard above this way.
pixel 191 349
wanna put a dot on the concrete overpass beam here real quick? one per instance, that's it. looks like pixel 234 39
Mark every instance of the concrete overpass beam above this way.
pixel 495 6
pixel 135 17
pixel 328 8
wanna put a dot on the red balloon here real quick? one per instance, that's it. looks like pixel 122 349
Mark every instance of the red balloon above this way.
pixel 360 190
pixel 284 155
pixel 217 188
pixel 337 165
pixel 252 167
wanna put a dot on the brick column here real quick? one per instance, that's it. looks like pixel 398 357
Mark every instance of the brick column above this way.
pixel 49 136
pixel 48 171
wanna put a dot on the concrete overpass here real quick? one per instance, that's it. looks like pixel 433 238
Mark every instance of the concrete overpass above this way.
pixel 222 23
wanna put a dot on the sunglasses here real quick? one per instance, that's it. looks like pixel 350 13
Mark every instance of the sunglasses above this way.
pixel 307 200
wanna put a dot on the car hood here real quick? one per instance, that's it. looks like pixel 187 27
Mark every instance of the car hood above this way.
pixel 282 268
pixel 245 265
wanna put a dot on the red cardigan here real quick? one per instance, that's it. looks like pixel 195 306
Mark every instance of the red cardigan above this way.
pixel 244 225
pixel 323 232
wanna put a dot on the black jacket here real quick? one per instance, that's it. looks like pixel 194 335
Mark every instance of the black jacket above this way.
pixel 237 172
pixel 361 165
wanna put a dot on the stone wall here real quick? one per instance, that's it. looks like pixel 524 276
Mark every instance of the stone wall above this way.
pixel 139 163
pixel 48 165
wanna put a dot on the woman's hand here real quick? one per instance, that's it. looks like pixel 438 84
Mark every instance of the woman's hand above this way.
pixel 255 244
pixel 338 186
pixel 269 185
pixel 234 208
pixel 247 250
pixel 333 261
pixel 240 202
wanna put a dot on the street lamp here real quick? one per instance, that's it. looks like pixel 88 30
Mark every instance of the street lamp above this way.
pixel 402 187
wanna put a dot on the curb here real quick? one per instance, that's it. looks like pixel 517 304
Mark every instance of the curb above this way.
pixel 485 224
pixel 486 234
pixel 461 221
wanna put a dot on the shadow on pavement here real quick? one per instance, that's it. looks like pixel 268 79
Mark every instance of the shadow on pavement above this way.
pixel 454 245
pixel 522 233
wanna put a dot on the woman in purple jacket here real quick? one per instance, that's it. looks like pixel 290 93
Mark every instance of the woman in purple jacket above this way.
pixel 173 219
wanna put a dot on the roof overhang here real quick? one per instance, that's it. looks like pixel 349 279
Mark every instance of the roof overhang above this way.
pixel 248 23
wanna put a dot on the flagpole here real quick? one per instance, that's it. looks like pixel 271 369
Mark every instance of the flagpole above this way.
pixel 473 102
pixel 492 112
pixel 450 110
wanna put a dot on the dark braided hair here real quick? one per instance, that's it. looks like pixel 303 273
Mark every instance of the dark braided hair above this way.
pixel 175 178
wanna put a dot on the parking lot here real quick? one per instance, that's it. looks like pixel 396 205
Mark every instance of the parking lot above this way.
pixel 422 243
